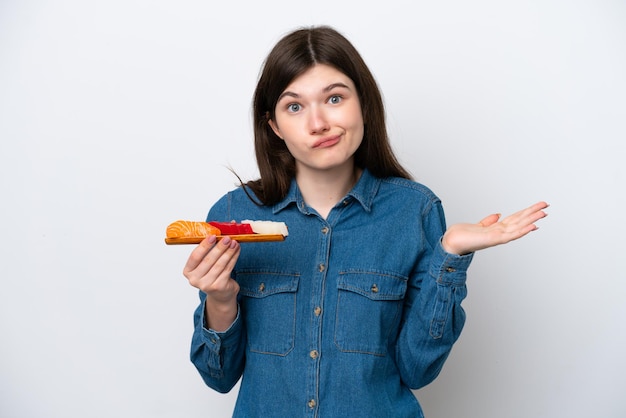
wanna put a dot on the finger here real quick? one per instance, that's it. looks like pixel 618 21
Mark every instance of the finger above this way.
pixel 233 260
pixel 527 216
pixel 213 272
pixel 535 211
pixel 198 254
pixel 221 260
pixel 537 208
pixel 524 221
pixel 218 279
pixel 523 231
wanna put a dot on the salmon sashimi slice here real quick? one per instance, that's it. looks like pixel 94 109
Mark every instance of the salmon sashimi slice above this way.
pixel 183 228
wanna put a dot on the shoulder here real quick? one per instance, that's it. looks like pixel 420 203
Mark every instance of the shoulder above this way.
pixel 406 197
pixel 236 204
pixel 408 189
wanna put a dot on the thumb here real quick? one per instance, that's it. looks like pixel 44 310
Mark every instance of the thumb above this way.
pixel 490 220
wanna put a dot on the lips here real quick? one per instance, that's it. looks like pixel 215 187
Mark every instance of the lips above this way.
pixel 327 142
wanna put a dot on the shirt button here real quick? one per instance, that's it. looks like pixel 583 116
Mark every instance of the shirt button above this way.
pixel 375 288
pixel 317 311
pixel 325 230
pixel 450 269
pixel 321 267
pixel 312 403
pixel 261 287
pixel 314 354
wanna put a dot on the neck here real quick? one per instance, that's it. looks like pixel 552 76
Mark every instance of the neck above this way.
pixel 323 189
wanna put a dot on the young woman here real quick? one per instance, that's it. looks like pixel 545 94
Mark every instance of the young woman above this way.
pixel 362 302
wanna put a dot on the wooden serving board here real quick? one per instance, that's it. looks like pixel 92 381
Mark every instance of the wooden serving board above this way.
pixel 239 238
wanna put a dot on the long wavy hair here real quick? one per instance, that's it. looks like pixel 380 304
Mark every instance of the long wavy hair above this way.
pixel 293 55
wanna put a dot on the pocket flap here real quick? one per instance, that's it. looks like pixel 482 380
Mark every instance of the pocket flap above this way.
pixel 262 284
pixel 373 285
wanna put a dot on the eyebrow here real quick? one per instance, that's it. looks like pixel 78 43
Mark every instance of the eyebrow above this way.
pixel 325 90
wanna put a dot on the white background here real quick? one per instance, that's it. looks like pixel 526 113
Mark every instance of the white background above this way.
pixel 119 117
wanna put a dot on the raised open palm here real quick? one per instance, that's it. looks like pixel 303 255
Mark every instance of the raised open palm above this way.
pixel 491 231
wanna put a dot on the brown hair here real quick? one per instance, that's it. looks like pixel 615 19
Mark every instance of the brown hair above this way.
pixel 292 56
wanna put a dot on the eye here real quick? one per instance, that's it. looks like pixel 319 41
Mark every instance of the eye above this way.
pixel 293 107
pixel 335 99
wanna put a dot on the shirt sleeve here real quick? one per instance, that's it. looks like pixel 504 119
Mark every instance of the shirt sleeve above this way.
pixel 433 317
pixel 218 356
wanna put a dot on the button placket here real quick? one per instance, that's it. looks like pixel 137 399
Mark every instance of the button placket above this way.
pixel 314 353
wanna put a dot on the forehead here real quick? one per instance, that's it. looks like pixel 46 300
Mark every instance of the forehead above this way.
pixel 318 77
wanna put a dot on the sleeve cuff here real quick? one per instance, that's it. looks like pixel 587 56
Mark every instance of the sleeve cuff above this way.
pixel 449 268
pixel 214 339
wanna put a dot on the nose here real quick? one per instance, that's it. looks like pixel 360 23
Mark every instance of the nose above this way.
pixel 318 121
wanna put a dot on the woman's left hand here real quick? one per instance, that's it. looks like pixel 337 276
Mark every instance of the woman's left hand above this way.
pixel 491 231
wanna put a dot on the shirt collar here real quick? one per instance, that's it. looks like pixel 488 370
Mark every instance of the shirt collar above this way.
pixel 363 192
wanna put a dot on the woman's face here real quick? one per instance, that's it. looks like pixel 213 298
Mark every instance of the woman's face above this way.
pixel 319 117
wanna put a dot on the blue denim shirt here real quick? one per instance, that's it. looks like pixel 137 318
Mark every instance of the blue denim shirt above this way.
pixel 347 314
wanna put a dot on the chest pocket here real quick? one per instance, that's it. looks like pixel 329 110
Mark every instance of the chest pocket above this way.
pixel 268 303
pixel 369 307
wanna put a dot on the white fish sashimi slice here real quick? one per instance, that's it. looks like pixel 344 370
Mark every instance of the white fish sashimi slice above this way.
pixel 267 227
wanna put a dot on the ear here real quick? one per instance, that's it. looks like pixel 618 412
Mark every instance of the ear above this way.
pixel 275 128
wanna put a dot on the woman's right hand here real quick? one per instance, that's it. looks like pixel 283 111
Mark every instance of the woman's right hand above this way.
pixel 209 268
